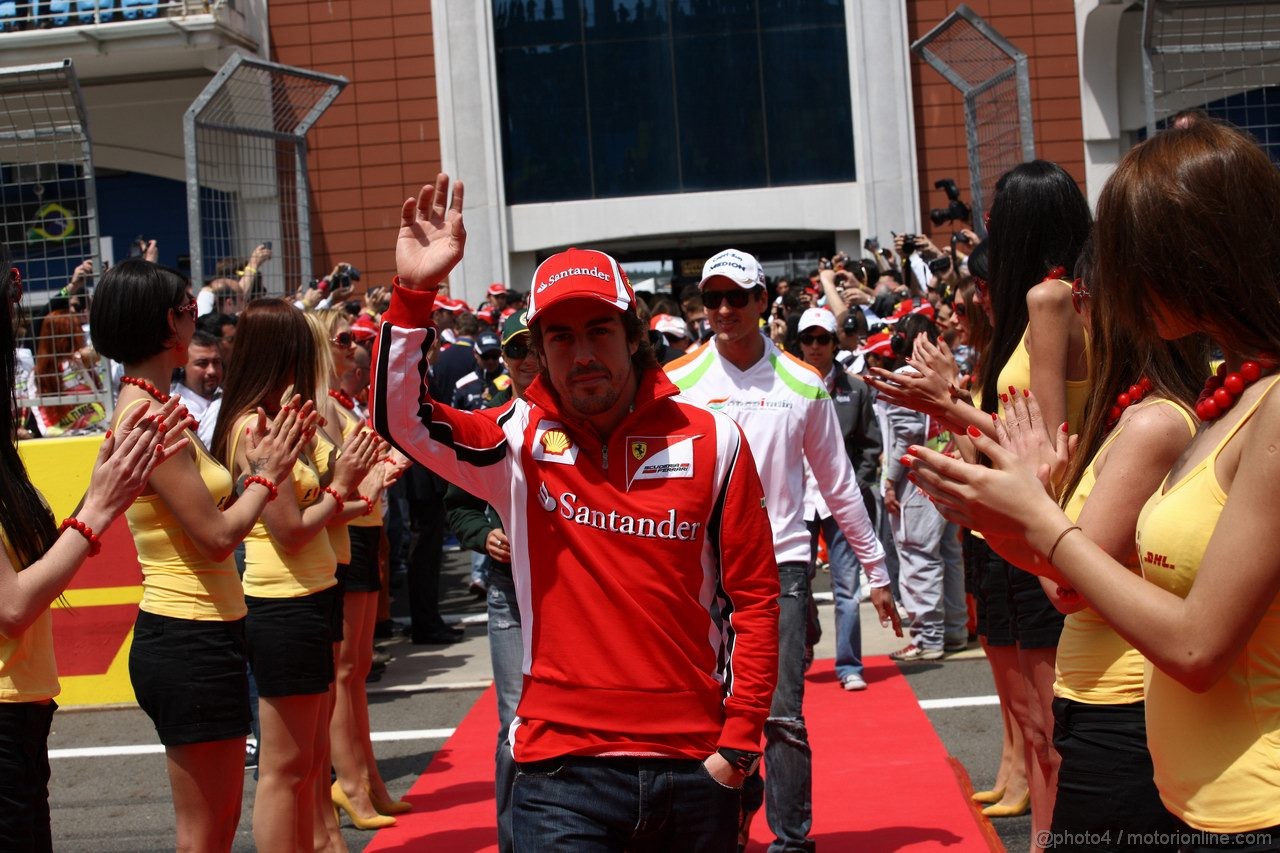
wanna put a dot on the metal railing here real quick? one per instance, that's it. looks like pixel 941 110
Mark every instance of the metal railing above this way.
pixel 992 75
pixel 246 151
pixel 1221 57
pixel 49 221
pixel 17 15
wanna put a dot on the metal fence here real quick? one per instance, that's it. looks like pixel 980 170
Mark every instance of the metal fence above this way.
pixel 992 76
pixel 18 15
pixel 1222 57
pixel 247 189
pixel 49 217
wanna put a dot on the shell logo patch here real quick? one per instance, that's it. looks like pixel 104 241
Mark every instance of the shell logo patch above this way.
pixel 555 442
pixel 552 444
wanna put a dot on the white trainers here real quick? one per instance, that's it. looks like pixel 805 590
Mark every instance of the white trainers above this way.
pixel 912 652
pixel 853 682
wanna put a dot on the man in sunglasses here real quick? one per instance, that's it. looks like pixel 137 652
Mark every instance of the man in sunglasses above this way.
pixel 639 548
pixel 783 407
pixel 479 386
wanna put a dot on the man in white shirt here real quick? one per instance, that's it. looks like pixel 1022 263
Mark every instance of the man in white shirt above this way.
pixel 201 385
pixel 787 415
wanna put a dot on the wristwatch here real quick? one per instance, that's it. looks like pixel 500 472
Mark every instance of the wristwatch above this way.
pixel 741 760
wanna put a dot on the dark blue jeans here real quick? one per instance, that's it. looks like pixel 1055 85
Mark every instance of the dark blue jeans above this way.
pixel 788 759
pixel 506 650
pixel 594 805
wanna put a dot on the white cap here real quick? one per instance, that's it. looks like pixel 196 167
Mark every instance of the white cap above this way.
pixel 669 325
pixel 820 317
pixel 739 267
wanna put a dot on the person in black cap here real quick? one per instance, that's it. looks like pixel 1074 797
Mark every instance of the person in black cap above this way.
pixel 475 389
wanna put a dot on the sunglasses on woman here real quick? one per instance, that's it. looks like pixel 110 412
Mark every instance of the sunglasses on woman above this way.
pixel 1079 293
pixel 516 349
pixel 187 308
pixel 343 339
pixel 810 340
pixel 980 287
pixel 735 298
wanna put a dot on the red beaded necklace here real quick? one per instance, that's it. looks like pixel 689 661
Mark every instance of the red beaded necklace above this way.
pixel 343 397
pixel 1125 399
pixel 145 386
pixel 1223 389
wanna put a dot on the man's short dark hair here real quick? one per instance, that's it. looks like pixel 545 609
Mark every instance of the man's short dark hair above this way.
pixel 211 324
pixel 467 324
pixel 130 311
pixel 204 339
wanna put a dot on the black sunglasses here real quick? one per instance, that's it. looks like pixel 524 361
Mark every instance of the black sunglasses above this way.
pixel 735 298
pixel 516 349
pixel 810 340
pixel 343 339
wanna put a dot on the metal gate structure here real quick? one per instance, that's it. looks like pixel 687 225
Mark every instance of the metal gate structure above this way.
pixel 246 150
pixel 49 221
pixel 1222 57
pixel 992 76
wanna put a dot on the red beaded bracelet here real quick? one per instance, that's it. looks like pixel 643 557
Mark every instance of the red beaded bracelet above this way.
pixel 263 481
pixel 342 505
pixel 95 544
pixel 368 509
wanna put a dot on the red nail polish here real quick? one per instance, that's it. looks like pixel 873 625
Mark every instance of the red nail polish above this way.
pixel 911 478
pixel 1026 392
pixel 159 449
pixel 913 450
pixel 1004 398
pixel 906 460
pixel 1064 426
pixel 974 432
pixel 108 435
pixel 1013 392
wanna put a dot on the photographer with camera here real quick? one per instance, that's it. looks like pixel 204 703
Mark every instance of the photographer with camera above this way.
pixel 207 300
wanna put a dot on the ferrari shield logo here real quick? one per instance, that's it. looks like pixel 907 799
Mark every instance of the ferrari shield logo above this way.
pixel 639 449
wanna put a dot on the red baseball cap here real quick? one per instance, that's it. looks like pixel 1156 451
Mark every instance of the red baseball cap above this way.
pixel 579 274
pixel 908 306
pixel 497 289
pixel 453 306
pixel 877 344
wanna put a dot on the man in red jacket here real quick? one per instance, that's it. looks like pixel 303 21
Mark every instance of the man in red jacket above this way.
pixel 640 548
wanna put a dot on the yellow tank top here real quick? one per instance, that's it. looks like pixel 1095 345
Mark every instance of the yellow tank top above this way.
pixel 1217 753
pixel 1095 665
pixel 339 536
pixel 28 671
pixel 1017 372
pixel 269 572
pixel 178 581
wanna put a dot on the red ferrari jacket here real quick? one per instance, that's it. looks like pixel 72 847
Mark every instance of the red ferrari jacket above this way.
pixel 643 561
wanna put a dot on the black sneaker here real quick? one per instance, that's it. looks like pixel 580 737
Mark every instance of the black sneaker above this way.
pixel 250 755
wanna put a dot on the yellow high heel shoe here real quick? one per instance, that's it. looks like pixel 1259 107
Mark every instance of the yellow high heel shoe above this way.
pixel 340 800
pixel 988 797
pixel 389 807
pixel 1011 810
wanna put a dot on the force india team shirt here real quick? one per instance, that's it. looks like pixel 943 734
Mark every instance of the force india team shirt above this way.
pixel 782 406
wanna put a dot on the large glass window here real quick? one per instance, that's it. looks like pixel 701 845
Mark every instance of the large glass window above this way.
pixel 607 98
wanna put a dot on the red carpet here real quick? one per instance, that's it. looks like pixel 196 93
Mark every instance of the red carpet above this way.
pixel 882 780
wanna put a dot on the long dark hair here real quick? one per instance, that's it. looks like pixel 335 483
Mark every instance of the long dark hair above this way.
pixel 272 341
pixel 1209 256
pixel 1039 221
pixel 1121 357
pixel 26 519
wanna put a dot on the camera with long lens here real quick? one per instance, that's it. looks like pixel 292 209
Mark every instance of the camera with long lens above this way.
pixel 343 276
pixel 955 209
